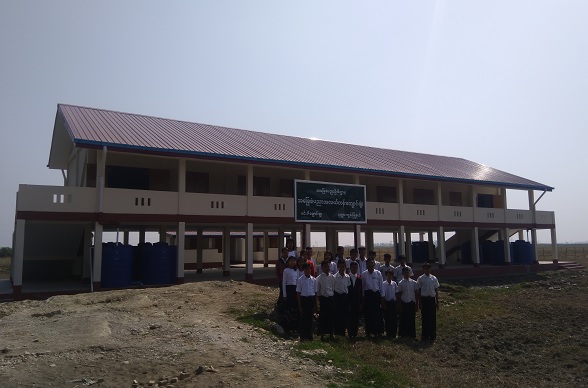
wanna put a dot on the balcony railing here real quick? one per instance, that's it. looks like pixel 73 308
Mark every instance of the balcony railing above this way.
pixel 124 201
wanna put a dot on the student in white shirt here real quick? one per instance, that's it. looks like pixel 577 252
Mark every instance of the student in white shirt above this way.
pixel 429 303
pixel 341 304
pixel 389 293
pixel 372 287
pixel 407 289
pixel 289 281
pixel 306 295
pixel 387 265
pixel 398 276
pixel 352 257
pixel 325 291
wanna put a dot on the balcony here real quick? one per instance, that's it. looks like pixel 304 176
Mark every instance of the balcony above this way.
pixel 34 198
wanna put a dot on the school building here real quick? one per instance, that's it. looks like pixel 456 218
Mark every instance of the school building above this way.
pixel 219 195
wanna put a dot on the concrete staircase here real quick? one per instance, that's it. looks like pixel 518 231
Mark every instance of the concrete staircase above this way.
pixel 569 265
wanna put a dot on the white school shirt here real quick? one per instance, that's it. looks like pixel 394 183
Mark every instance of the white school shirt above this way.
pixel 306 286
pixel 325 285
pixel 384 268
pixel 389 290
pixel 407 287
pixel 341 283
pixel 333 267
pixel 427 285
pixel 289 278
pixel 398 272
pixel 372 281
pixel 362 265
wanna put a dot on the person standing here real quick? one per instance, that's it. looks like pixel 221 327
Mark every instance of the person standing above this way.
pixel 372 287
pixel 306 295
pixel 362 260
pixel 398 276
pixel 407 291
pixel 281 265
pixel 325 289
pixel 290 309
pixel 387 265
pixel 355 299
pixel 389 295
pixel 342 284
pixel 428 293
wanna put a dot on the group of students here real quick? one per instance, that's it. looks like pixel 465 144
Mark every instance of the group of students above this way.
pixel 343 290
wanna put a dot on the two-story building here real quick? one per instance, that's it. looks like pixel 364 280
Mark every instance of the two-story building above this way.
pixel 127 172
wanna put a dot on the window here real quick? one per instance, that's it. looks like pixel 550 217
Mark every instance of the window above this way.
pixel 386 194
pixel 287 188
pixel 424 197
pixel 455 198
pixel 197 182
pixel 119 177
pixel 485 200
pixel 261 186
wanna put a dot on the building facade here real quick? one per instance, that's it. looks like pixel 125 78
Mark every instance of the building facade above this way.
pixel 125 172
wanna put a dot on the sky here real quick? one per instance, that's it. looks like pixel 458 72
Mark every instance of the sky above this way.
pixel 501 83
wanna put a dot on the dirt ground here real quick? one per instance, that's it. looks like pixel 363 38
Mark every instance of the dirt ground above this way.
pixel 182 336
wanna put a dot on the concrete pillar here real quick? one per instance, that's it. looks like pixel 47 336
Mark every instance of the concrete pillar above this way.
pixel 100 180
pixel 521 234
pixel 409 248
pixel 265 249
pixel 126 237
pixel 142 236
pixel 18 257
pixel 162 233
pixel 507 257
pixel 401 241
pixel 97 267
pixel 441 242
pixel 305 237
pixel 357 235
pixel 281 240
pixel 181 183
pixel 554 246
pixel 534 245
pixel 181 244
pixel 249 252
pixel 199 249
pixel 475 247
pixel 87 253
pixel 421 236
pixel 226 251
pixel 369 238
pixel 400 193
pixel 431 246
pixel 331 239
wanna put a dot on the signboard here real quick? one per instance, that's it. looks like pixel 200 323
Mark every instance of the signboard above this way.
pixel 329 202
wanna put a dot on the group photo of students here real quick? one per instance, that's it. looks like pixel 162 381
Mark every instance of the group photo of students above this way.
pixel 337 295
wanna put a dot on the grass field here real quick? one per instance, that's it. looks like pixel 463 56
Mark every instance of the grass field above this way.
pixel 517 331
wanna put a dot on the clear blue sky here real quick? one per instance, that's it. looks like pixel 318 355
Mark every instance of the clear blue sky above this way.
pixel 499 82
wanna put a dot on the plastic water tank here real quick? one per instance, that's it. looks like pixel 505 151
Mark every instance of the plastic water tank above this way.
pixel 117 265
pixel 158 264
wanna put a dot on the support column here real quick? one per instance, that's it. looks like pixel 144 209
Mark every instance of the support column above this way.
pixel 142 236
pixel 394 243
pixel 431 247
pixel 521 234
pixel 226 251
pixel 305 237
pixel 357 235
pixel 441 243
pixel 293 237
pixel 401 241
pixel 331 240
pixel 421 236
pixel 534 245
pixel 126 237
pixel 554 246
pixel 249 252
pixel 281 240
pixel 265 249
pixel 18 258
pixel 97 267
pixel 87 253
pixel 162 233
pixel 475 247
pixel 507 257
pixel 100 180
pixel 409 248
pixel 181 244
pixel 199 249
pixel 369 239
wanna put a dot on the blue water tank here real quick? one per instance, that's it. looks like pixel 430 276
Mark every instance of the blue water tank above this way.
pixel 466 253
pixel 117 265
pixel 158 264
pixel 487 252
pixel 498 253
pixel 522 252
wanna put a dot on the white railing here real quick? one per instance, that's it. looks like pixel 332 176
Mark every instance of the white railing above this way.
pixel 56 199
pixel 38 198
